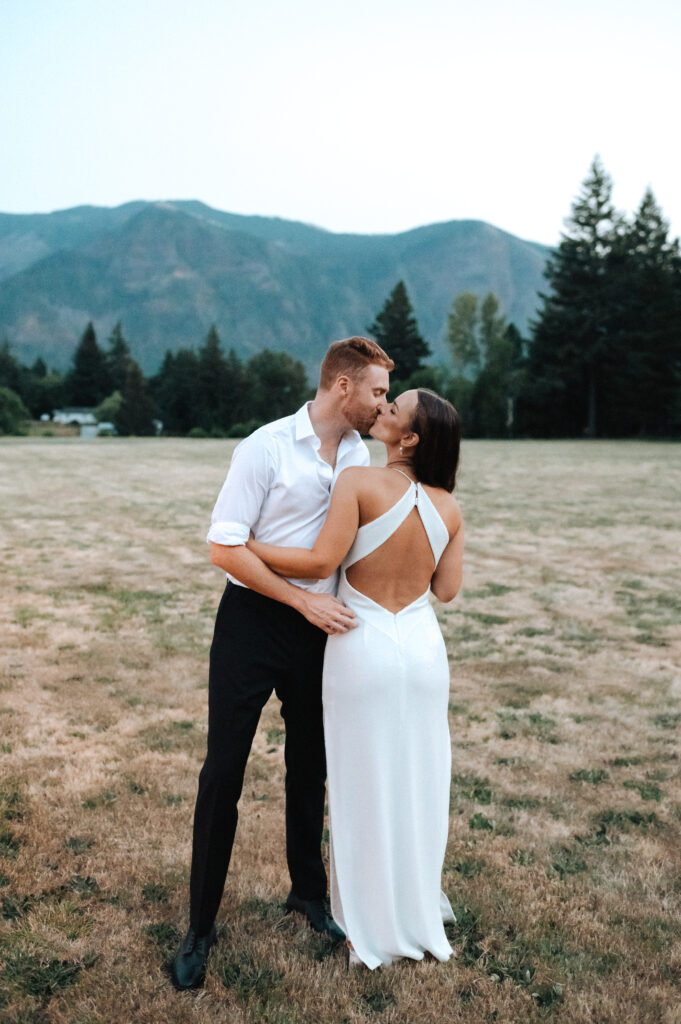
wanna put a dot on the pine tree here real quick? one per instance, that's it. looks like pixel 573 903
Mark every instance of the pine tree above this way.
pixel 517 376
pixel 175 389
pixel 87 382
pixel 11 370
pixel 236 404
pixel 136 412
pixel 211 394
pixel 645 367
pixel 117 357
pixel 572 337
pixel 396 330
pixel 492 328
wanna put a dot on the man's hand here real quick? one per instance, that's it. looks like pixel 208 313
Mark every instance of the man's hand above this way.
pixel 322 610
pixel 327 612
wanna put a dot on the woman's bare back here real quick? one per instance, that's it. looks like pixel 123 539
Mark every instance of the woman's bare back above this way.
pixel 401 569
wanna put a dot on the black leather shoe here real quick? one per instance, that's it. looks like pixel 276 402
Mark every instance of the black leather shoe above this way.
pixel 317 913
pixel 189 965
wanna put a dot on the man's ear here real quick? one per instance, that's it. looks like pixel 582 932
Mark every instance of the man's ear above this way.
pixel 344 384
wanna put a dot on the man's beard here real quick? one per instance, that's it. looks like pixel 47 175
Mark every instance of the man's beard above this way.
pixel 361 420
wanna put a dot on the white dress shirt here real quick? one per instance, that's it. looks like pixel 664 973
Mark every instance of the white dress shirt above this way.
pixel 280 487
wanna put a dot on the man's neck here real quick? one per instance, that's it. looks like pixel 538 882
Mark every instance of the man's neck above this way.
pixel 327 421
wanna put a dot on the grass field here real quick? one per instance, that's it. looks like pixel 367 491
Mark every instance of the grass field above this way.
pixel 564 859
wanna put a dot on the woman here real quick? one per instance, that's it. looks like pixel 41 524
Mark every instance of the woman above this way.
pixel 397 534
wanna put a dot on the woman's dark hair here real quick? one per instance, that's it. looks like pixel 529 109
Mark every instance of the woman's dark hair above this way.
pixel 436 456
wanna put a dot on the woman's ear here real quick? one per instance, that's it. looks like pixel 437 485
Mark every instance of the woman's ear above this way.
pixel 409 440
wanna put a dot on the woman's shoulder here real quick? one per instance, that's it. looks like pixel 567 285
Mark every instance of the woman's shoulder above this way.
pixel 353 474
pixel 370 482
pixel 362 474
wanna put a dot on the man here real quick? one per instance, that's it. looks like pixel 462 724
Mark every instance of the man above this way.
pixel 270 634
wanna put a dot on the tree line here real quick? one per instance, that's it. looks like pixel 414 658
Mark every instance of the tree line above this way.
pixel 602 357
pixel 203 393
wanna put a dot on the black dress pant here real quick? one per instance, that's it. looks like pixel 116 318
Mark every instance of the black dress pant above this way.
pixel 259 645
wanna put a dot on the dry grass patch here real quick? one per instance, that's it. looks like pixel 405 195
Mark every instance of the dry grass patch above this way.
pixel 565 645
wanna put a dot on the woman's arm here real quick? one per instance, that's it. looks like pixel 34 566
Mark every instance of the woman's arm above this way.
pixel 446 580
pixel 332 544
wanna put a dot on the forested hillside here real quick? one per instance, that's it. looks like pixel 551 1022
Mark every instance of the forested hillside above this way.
pixel 168 271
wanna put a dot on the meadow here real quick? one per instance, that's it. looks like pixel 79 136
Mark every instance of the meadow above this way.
pixel 564 857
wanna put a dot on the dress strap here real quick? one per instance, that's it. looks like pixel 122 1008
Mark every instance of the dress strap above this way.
pixel 433 523
pixel 373 534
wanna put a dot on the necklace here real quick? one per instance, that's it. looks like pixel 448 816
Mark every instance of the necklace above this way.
pixel 404 462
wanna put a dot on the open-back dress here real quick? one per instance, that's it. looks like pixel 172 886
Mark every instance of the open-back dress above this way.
pixel 385 693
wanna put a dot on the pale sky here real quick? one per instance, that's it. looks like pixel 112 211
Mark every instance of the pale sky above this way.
pixel 367 116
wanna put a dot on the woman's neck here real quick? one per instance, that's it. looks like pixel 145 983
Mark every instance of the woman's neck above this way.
pixel 402 463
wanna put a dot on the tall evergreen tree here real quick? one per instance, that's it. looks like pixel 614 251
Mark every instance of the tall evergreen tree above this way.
pixel 175 389
pixel 11 370
pixel 396 330
pixel 87 383
pixel 571 337
pixel 117 357
pixel 492 327
pixel 236 403
pixel 211 393
pixel 136 412
pixel 645 366
pixel 517 375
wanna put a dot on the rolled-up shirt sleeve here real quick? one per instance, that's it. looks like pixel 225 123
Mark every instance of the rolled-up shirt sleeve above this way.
pixel 248 480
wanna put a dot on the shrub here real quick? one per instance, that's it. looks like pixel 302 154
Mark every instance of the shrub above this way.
pixel 13 412
pixel 244 429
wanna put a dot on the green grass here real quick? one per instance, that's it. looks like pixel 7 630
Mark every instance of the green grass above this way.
pixel 155 892
pixel 646 790
pixel 468 868
pixel 470 787
pixel 42 977
pixel 480 822
pixel 667 720
pixel 167 737
pixel 593 775
pixel 533 724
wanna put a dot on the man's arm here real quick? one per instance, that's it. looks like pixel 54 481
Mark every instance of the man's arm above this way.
pixel 237 509
pixel 332 544
pixel 322 610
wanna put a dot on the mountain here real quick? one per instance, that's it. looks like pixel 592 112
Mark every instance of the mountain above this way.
pixel 168 270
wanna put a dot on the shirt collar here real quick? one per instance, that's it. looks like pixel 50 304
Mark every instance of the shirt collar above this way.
pixel 304 426
pixel 304 430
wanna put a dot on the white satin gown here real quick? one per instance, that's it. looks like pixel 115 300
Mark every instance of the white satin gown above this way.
pixel 386 693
